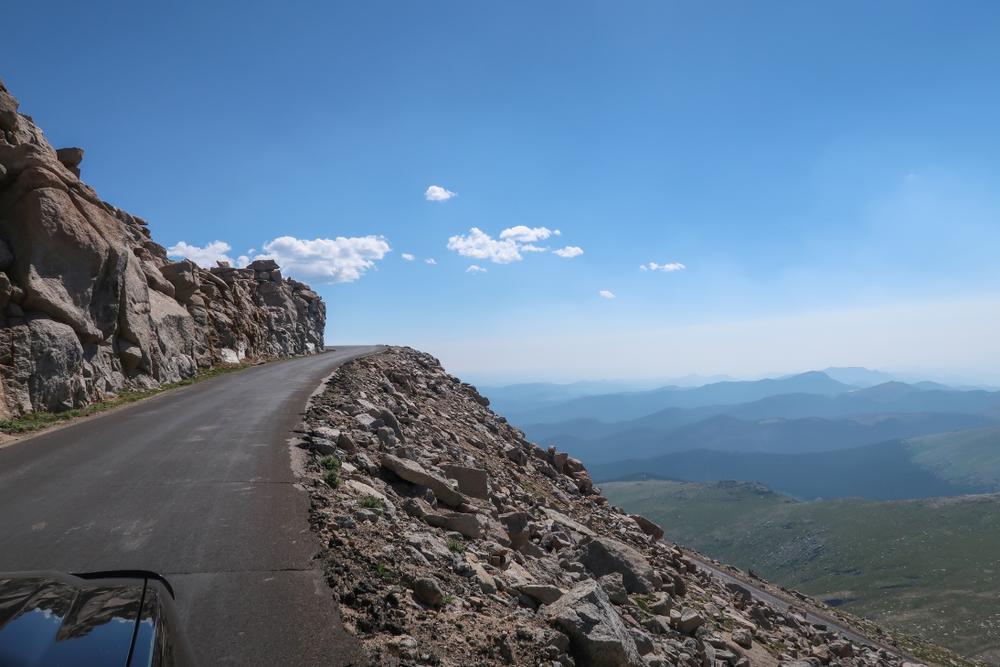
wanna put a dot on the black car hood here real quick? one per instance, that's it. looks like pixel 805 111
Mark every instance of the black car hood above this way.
pixel 56 621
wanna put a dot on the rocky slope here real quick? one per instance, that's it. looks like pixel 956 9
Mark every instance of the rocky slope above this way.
pixel 91 305
pixel 449 539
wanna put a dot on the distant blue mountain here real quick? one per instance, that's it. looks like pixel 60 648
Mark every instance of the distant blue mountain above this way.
pixel 625 406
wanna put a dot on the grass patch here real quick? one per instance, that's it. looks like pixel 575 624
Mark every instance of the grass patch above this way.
pixel 383 571
pixel 372 503
pixel 455 546
pixel 449 598
pixel 37 421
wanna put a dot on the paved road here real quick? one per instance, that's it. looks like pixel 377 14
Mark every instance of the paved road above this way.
pixel 195 484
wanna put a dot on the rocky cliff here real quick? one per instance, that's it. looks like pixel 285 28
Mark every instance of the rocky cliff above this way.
pixel 91 305
pixel 449 539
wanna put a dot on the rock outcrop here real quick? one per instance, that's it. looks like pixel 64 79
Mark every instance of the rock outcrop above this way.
pixel 91 305
pixel 543 571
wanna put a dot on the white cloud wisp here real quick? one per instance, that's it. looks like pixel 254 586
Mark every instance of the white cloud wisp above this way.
pixel 205 257
pixel 408 257
pixel 524 234
pixel 475 269
pixel 430 261
pixel 437 193
pixel 606 294
pixel 324 261
pixel 666 268
pixel 480 245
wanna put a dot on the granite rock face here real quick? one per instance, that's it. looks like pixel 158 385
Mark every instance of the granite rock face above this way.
pixel 91 305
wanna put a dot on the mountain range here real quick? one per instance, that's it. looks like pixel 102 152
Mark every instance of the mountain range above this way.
pixel 808 435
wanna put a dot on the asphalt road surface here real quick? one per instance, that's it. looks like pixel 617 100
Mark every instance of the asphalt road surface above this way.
pixel 195 484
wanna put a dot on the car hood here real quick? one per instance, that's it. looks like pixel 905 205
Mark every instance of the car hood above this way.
pixel 53 621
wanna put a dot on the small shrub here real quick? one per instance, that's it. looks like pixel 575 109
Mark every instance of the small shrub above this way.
pixel 332 478
pixel 383 571
pixel 371 502
pixel 455 546
pixel 448 598
pixel 330 463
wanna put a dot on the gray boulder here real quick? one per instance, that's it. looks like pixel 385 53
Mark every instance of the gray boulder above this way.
pixel 598 636
pixel 471 481
pixel 614 587
pixel 603 556
pixel 415 473
pixel 542 593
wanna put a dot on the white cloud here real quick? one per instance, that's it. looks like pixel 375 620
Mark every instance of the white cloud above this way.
pixel 666 268
pixel 532 248
pixel 430 261
pixel 606 294
pixel 408 257
pixel 436 193
pixel 557 233
pixel 524 234
pixel 568 251
pixel 322 261
pixel 475 269
pixel 481 246
pixel 205 257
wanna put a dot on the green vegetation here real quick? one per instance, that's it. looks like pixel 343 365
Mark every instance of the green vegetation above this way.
pixel 36 421
pixel 963 457
pixel 929 567
pixel 455 546
pixel 448 598
pixel 330 463
pixel 383 571
pixel 332 478
pixel 371 502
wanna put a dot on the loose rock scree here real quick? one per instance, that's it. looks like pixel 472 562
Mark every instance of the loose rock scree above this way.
pixel 487 550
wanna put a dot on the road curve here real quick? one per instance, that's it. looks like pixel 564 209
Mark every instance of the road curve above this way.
pixel 195 484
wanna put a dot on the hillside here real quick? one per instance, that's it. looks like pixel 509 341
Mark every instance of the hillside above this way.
pixel 926 567
pixel 966 457
pixel 90 305
pixel 450 539
pixel 884 471
pixel 666 432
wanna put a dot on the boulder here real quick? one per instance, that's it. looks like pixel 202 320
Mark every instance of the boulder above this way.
pixel 542 593
pixel 415 473
pixel 662 605
pixel 471 481
pixel 598 636
pixel 648 526
pixel 516 525
pixel 690 621
pixel 184 277
pixel 487 584
pixel 472 526
pixel 603 556
pixel 643 642
pixel 427 591
pixel 743 637
pixel 614 587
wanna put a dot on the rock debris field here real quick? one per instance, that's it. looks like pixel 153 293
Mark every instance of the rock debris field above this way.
pixel 449 539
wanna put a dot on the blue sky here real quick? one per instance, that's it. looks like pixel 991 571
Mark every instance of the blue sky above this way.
pixel 826 173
